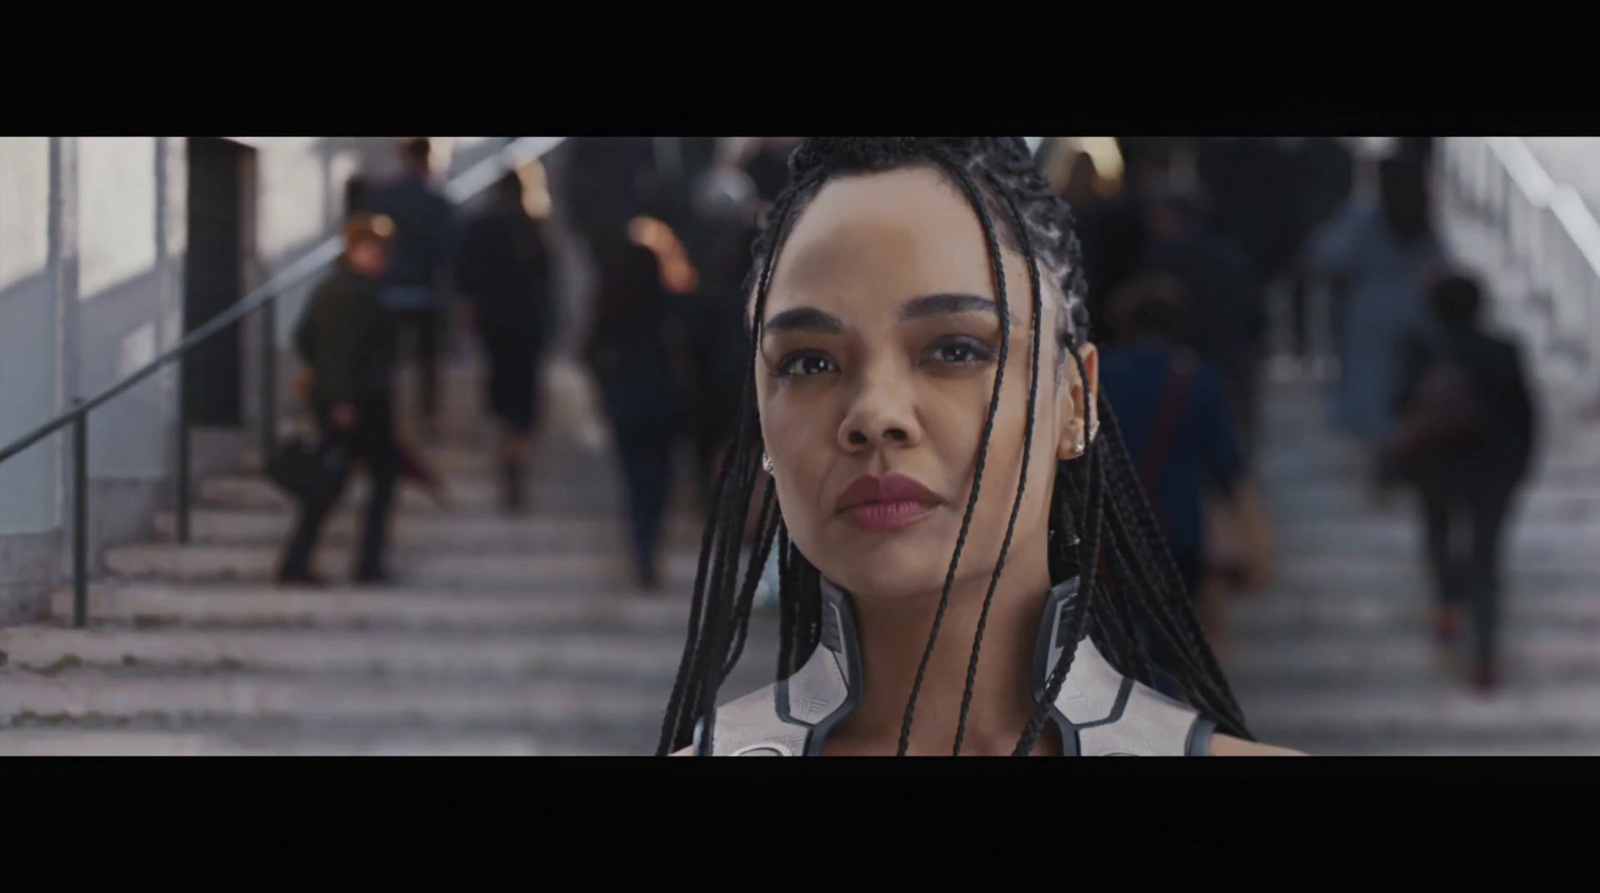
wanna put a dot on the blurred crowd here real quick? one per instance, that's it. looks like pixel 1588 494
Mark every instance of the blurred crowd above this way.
pixel 1189 245
pixel 1197 246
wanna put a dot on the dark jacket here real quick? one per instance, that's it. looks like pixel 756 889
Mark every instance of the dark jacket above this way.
pixel 638 348
pixel 347 339
pixel 1224 312
pixel 1202 453
pixel 423 229
pixel 1503 456
pixel 504 267
pixel 1251 182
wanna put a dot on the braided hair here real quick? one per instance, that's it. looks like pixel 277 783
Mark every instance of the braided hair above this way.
pixel 1130 599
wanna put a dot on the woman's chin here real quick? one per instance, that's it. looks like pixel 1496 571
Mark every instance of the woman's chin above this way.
pixel 890 567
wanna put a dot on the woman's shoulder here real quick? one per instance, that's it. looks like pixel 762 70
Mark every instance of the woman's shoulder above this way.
pixel 1229 746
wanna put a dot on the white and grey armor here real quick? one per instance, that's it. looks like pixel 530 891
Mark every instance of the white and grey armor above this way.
pixel 1099 712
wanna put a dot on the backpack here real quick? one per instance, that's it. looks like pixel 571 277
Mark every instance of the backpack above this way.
pixel 1444 413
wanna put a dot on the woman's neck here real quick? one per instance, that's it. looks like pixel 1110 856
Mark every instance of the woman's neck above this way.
pixel 893 634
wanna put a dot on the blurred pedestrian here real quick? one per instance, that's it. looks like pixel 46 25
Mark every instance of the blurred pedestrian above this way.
pixel 1092 216
pixel 1379 253
pixel 1171 406
pixel 1251 184
pixel 767 165
pixel 348 342
pixel 1223 313
pixel 1465 441
pixel 414 288
pixel 719 244
pixel 1121 234
pixel 638 351
pixel 1325 177
pixel 355 194
pixel 503 272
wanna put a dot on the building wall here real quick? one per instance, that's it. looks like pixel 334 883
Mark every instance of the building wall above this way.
pixel 28 372
pixel 92 240
pixel 30 377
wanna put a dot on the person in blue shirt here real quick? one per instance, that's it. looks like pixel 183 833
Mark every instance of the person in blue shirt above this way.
pixel 413 288
pixel 1176 422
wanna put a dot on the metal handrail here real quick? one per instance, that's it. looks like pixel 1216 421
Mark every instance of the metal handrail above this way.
pixel 1544 225
pixel 461 188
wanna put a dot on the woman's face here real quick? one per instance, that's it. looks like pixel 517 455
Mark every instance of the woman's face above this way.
pixel 879 348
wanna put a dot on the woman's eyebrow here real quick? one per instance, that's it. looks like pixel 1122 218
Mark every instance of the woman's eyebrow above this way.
pixel 803 319
pixel 946 305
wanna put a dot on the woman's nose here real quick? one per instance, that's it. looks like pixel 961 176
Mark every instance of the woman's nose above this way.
pixel 883 414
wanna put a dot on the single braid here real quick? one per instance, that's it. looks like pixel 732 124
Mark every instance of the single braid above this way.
pixel 1077 612
pixel 1022 479
pixel 766 530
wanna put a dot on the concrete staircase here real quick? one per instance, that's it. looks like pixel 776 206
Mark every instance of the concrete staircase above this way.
pixel 504 636
pixel 1338 658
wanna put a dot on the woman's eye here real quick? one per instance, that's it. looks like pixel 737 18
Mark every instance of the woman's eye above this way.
pixel 806 364
pixel 960 353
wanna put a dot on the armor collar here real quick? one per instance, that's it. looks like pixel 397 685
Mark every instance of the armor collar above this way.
pixel 821 696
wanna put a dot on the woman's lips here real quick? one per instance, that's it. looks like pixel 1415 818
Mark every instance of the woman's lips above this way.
pixel 887 515
pixel 886 503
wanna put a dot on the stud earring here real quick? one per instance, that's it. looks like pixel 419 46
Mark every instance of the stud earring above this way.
pixel 766 463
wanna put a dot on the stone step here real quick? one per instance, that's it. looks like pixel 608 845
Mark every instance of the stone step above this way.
pixel 616 655
pixel 194 735
pixel 1398 537
pixel 1397 658
pixel 58 743
pixel 1519 745
pixel 1358 614
pixel 457 458
pixel 154 605
pixel 1569 461
pixel 1380 714
pixel 426 704
pixel 1399 582
pixel 576 496
pixel 579 571
pixel 1294 500
pixel 459 533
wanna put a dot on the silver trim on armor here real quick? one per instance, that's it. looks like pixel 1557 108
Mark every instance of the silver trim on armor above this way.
pixel 1099 711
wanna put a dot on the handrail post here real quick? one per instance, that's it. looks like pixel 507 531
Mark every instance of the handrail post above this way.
pixel 80 519
pixel 269 380
pixel 182 471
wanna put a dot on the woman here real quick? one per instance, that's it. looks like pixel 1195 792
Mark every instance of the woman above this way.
pixel 503 270
pixel 638 353
pixel 919 399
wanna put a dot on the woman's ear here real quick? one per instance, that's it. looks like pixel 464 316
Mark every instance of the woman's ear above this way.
pixel 1076 407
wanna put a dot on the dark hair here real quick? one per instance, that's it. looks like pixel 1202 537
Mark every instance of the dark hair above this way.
pixel 1148 304
pixel 417 149
pixel 1099 516
pixel 1456 300
pixel 509 188
pixel 355 195
pixel 629 280
pixel 1403 195
pixel 1188 204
